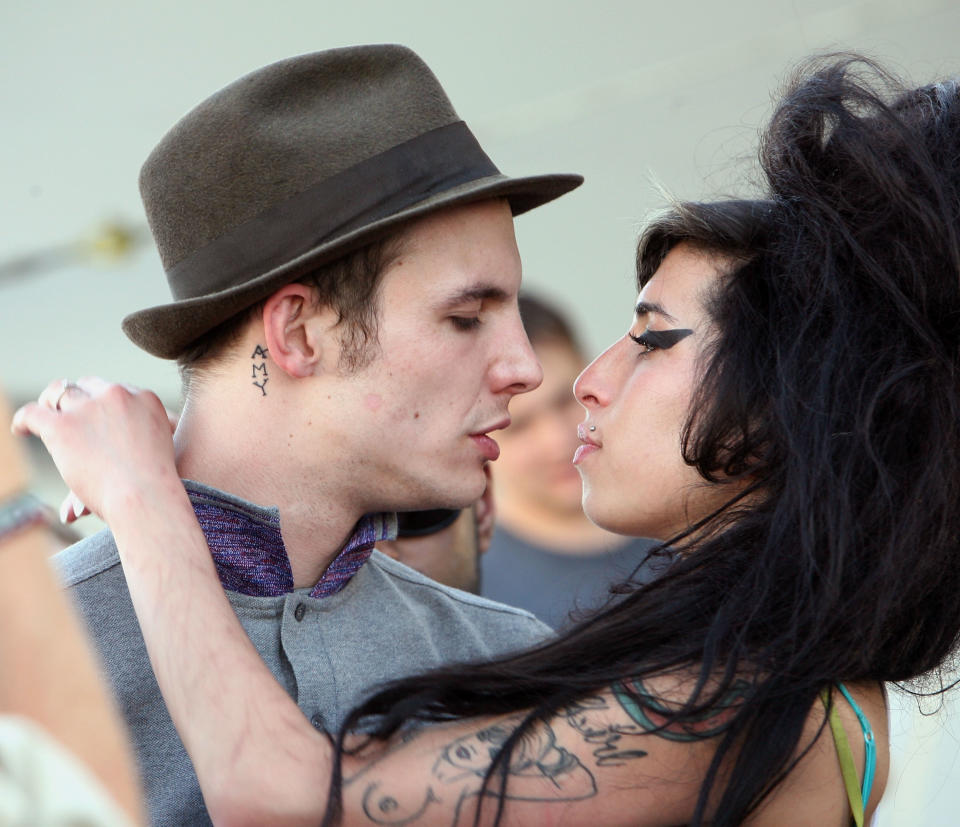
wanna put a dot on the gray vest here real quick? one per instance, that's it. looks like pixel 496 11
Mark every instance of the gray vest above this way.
pixel 388 621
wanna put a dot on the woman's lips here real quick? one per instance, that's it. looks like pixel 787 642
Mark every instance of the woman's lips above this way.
pixel 589 444
pixel 584 451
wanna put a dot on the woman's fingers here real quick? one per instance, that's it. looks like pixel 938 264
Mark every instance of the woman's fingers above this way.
pixel 101 436
pixel 33 418
pixel 72 509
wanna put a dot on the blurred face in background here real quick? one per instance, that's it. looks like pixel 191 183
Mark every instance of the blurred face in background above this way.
pixel 536 451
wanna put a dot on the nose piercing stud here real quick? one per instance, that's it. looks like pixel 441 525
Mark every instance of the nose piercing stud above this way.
pixel 592 428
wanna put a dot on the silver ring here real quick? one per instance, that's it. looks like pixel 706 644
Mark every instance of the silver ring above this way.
pixel 67 386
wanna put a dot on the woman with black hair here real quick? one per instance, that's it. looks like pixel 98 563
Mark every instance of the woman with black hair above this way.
pixel 784 413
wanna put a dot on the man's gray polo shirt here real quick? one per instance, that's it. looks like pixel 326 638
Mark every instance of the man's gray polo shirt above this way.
pixel 328 653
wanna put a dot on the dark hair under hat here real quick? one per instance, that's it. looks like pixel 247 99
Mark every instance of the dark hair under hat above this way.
pixel 296 165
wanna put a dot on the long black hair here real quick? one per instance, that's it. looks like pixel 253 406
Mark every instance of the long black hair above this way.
pixel 830 388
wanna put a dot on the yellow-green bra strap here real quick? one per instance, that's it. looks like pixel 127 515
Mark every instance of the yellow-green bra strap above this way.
pixel 847 767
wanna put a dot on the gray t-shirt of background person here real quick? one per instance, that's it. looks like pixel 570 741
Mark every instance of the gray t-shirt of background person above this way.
pixel 328 653
pixel 552 585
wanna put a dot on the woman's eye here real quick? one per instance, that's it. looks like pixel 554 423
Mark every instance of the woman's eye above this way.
pixel 651 340
pixel 465 322
pixel 646 346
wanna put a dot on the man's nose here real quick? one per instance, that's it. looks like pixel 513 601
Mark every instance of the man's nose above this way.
pixel 519 370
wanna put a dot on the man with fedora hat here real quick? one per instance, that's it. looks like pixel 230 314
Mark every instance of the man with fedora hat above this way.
pixel 344 271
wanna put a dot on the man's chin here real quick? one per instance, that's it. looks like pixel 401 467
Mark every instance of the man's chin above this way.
pixel 461 492
pixel 465 491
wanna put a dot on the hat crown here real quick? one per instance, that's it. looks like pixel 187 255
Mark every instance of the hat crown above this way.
pixel 298 164
pixel 278 131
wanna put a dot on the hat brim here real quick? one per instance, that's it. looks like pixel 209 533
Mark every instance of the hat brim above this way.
pixel 167 330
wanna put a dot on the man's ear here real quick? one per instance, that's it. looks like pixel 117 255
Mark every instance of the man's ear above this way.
pixel 299 334
pixel 486 514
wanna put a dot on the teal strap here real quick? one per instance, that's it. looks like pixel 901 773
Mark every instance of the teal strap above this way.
pixel 869 743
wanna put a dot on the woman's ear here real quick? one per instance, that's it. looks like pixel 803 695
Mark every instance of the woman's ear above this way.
pixel 299 333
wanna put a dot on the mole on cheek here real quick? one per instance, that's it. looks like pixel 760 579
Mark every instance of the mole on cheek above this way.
pixel 373 401
pixel 416 415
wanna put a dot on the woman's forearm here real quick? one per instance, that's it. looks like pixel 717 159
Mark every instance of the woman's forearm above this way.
pixel 257 758
pixel 256 755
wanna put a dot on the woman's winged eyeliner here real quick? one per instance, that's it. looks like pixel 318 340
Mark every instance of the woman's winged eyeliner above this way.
pixel 661 339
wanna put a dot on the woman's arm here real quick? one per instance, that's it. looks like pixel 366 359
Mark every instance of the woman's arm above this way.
pixel 591 763
pixel 48 671
pixel 250 745
pixel 257 758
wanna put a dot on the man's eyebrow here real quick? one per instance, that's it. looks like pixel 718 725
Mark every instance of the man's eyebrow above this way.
pixel 477 292
pixel 646 308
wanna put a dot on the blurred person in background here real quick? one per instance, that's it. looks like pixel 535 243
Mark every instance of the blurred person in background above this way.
pixel 546 556
pixel 64 757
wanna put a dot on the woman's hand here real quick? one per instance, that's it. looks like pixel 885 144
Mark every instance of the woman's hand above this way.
pixel 109 441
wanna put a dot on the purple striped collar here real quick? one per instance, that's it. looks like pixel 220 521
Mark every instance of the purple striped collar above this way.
pixel 247 546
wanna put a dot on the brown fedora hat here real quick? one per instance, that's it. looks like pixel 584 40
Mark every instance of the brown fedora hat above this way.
pixel 296 165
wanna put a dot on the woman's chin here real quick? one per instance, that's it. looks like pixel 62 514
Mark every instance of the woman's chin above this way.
pixel 610 519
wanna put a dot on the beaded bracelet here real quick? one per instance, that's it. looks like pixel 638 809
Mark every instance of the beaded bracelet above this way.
pixel 20 511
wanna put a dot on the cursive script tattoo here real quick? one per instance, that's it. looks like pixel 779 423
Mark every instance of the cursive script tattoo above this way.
pixel 591 718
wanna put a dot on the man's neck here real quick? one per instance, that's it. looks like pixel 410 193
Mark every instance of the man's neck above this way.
pixel 227 447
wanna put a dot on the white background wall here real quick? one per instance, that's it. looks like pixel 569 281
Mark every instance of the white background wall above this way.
pixel 627 93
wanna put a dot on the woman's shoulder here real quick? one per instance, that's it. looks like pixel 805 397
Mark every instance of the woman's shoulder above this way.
pixel 814 791
pixel 626 737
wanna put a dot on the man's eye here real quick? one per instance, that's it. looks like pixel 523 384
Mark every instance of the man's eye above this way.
pixel 465 322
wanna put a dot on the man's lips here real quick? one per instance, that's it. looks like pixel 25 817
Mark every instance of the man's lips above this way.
pixel 487 445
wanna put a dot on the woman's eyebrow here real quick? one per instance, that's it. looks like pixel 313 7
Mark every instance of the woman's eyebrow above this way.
pixel 646 308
